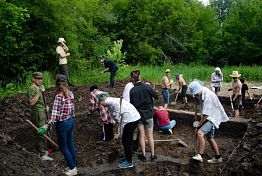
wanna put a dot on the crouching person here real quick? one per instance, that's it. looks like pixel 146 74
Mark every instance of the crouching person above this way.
pixel 126 114
pixel 212 115
pixel 163 121
pixel 63 117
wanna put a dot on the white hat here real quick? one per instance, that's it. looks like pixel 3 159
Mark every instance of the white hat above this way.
pixel 195 87
pixel 218 69
pixel 235 74
pixel 61 40
pixel 167 70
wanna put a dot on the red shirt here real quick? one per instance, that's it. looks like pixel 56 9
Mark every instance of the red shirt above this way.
pixel 162 118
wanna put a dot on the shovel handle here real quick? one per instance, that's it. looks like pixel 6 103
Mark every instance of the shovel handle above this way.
pixel 49 139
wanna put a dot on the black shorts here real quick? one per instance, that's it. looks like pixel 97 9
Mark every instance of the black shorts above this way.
pixel 217 89
pixel 183 91
pixel 237 102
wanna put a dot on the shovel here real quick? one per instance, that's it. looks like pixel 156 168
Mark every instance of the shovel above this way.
pixel 49 139
pixel 174 102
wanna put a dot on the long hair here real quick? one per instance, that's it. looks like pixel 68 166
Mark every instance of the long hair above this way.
pixel 63 87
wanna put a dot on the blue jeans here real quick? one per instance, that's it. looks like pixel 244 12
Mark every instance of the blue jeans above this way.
pixel 165 93
pixel 64 130
pixel 170 126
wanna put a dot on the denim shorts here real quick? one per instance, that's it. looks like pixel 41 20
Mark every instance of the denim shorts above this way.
pixel 208 129
pixel 149 123
pixel 165 93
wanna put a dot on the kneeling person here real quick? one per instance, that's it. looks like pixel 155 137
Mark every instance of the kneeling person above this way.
pixel 163 121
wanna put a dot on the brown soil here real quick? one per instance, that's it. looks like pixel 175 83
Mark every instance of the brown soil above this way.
pixel 17 156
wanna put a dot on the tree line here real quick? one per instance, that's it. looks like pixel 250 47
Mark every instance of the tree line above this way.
pixel 226 32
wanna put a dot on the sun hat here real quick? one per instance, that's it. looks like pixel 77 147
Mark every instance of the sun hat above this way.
pixel 167 70
pixel 61 40
pixel 160 108
pixel 235 74
pixel 195 87
pixel 61 78
pixel 38 75
pixel 218 69
pixel 102 95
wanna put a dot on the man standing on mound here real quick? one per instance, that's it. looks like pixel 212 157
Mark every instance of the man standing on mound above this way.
pixel 212 115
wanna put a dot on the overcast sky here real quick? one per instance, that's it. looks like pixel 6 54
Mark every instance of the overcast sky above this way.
pixel 205 2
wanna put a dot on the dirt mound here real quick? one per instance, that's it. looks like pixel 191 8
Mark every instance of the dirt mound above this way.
pixel 19 158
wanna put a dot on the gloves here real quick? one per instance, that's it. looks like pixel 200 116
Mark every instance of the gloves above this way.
pixel 42 130
pixel 196 124
pixel 171 81
pixel 102 72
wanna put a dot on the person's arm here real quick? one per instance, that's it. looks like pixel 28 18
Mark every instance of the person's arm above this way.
pixel 34 95
pixel 203 119
pixel 56 110
pixel 34 99
pixel 92 104
pixel 153 93
pixel 62 54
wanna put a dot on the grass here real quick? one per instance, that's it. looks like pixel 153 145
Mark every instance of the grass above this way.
pixel 150 73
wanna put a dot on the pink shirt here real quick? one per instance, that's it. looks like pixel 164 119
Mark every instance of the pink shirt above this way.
pixel 162 118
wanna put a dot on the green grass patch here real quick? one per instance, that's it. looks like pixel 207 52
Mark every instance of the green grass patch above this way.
pixel 150 73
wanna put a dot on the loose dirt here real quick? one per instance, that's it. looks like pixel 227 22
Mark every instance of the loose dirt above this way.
pixel 241 148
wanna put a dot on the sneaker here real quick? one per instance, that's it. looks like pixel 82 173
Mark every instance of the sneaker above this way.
pixel 67 168
pixel 46 158
pixel 141 157
pixel 125 165
pixel 214 160
pixel 153 158
pixel 122 160
pixel 71 172
pixel 170 131
pixel 198 157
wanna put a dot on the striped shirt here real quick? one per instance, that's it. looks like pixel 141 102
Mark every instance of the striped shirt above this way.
pixel 63 107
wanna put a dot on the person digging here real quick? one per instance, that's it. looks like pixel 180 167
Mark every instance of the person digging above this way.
pixel 236 88
pixel 182 87
pixel 128 117
pixel 38 113
pixel 110 67
pixel 212 115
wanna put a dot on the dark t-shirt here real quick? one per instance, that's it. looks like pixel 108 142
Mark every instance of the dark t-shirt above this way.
pixel 111 65
pixel 141 96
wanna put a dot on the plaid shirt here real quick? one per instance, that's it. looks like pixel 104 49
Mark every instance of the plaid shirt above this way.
pixel 63 108
pixel 94 105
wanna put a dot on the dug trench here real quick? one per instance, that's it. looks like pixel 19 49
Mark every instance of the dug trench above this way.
pixel 240 141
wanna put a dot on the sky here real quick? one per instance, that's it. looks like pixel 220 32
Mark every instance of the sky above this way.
pixel 205 2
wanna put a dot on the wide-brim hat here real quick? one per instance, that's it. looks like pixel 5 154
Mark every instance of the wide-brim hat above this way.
pixel 235 74
pixel 167 71
pixel 195 87
pixel 38 75
pixel 61 40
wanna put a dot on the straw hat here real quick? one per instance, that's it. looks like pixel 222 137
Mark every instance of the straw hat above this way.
pixel 167 70
pixel 235 74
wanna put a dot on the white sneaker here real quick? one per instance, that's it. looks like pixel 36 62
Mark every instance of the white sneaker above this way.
pixel 46 158
pixel 214 160
pixel 198 157
pixel 170 131
pixel 71 172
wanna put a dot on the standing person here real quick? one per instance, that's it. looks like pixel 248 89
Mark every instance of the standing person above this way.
pixel 216 80
pixel 128 87
pixel 212 115
pixel 236 97
pixel 128 117
pixel 244 90
pixel 62 51
pixel 38 113
pixel 141 96
pixel 163 120
pixel 182 86
pixel 63 117
pixel 166 85
pixel 105 115
pixel 110 67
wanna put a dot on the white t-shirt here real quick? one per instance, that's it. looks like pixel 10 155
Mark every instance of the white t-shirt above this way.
pixel 126 91
pixel 216 78
pixel 213 108
pixel 128 111
pixel 60 50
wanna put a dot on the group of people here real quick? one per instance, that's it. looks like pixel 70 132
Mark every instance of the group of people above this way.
pixel 134 110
